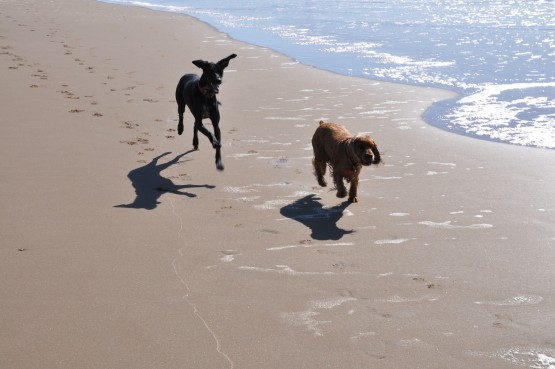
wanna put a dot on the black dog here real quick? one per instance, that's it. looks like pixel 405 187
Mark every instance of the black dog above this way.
pixel 199 94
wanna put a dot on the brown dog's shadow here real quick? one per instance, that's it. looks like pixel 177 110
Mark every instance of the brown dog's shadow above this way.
pixel 321 220
pixel 150 185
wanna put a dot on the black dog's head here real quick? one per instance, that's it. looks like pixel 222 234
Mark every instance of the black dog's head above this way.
pixel 212 74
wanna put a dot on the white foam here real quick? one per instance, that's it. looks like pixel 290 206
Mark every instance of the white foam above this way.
pixel 433 173
pixel 514 301
pixel 282 269
pixel 271 204
pixel 284 118
pixel 309 245
pixel 227 258
pixel 448 225
pixel 363 335
pixel 387 178
pixel 247 199
pixel 392 241
pixel 445 164
pixel 534 358
pixel 330 303
pixel 243 189
pixel 400 299
pixel 241 155
pixel 486 113
pixel 307 318
pixel 249 188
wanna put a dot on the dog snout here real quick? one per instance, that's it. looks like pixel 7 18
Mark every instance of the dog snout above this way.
pixel 368 158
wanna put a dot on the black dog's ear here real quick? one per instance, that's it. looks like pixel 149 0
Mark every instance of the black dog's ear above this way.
pixel 200 63
pixel 225 61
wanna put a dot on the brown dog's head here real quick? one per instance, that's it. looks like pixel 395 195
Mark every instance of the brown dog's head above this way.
pixel 365 150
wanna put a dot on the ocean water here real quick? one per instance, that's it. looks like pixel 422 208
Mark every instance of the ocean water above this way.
pixel 499 55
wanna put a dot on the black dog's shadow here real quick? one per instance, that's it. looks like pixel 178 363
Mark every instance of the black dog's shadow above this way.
pixel 322 221
pixel 150 185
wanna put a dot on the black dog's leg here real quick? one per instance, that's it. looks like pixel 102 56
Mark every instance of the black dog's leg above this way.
pixel 195 137
pixel 180 111
pixel 202 129
pixel 217 133
pixel 180 105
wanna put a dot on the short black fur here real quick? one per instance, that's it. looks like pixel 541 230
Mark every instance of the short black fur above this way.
pixel 199 94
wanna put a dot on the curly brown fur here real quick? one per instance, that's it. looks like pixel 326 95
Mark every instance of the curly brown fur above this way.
pixel 335 146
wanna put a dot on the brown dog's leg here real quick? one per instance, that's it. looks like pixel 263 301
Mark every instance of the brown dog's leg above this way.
pixel 338 181
pixel 320 171
pixel 353 190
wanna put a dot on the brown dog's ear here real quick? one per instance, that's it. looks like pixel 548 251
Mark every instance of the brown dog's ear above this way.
pixel 200 63
pixel 377 155
pixel 225 61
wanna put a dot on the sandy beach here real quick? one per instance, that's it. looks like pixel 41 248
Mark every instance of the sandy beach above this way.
pixel 446 261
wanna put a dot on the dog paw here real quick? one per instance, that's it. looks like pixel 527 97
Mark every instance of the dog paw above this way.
pixel 179 129
pixel 353 199
pixel 219 165
pixel 322 182
pixel 216 144
pixel 341 194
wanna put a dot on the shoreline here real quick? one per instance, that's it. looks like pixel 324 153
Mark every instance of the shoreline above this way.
pixel 457 121
pixel 445 258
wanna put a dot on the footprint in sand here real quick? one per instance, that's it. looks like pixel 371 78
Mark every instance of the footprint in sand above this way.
pixel 67 47
pixel 40 74
pixel 129 124
pixel 137 140
pixel 428 284
pixel 69 95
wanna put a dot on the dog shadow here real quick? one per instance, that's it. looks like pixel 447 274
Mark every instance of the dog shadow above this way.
pixel 321 220
pixel 150 185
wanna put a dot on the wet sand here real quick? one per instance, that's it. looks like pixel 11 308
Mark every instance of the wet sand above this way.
pixel 123 248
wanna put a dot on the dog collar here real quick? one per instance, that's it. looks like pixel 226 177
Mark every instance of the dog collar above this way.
pixel 204 89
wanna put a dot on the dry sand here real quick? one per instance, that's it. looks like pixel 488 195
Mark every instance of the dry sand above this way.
pixel 446 261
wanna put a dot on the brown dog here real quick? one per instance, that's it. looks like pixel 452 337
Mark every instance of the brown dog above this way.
pixel 345 153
